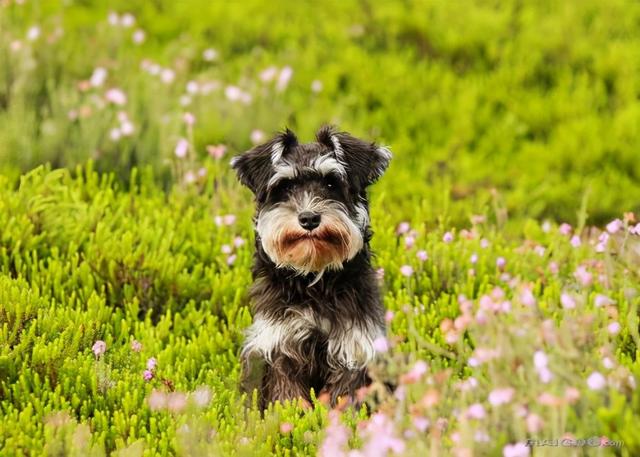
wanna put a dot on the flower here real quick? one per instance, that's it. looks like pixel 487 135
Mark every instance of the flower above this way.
pixel 516 450
pixel 420 423
pixel 500 262
pixel 575 241
pixel 388 316
pixel 403 227
pixel 229 219
pixel 127 20
pixel 116 96
pixel 416 372
pixel 602 300
pixel 157 400
pixel 409 241
pixel 231 259
pixel 176 402
pixel 283 78
pixel 152 363
pixel 225 249
pixel 527 298
pixel 113 18
pixel 614 226
pixel 422 255
pixel 98 77
pixel 567 301
pixel 167 75
pixel 596 381
pixel 534 423
pixel 147 375
pixel 136 346
pixel 33 33
pixel 635 230
pixel 209 54
pixel 256 136
pixel 406 270
pixel 189 119
pixel 268 74
pixel 474 258
pixel 381 344
pixel 216 151
pixel 476 411
pixel 613 328
pixel 316 86
pixel 139 36
pixel 564 228
pixel 447 237
pixel 336 437
pixel 286 427
pixel 583 276
pixel 115 134
pixel 192 87
pixel 99 348
pixel 202 396
pixel 182 147
pixel 189 177
pixel 501 396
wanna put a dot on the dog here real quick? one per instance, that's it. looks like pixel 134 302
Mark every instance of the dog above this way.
pixel 316 305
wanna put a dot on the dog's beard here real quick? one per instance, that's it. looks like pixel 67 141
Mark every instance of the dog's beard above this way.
pixel 336 240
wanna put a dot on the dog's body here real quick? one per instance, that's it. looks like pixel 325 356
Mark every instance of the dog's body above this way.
pixel 316 304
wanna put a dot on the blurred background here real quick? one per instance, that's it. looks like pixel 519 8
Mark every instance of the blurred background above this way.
pixel 528 108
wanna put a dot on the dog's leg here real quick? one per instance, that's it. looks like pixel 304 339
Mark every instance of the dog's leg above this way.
pixel 345 382
pixel 285 379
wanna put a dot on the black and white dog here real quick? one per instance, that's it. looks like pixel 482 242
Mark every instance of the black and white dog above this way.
pixel 316 304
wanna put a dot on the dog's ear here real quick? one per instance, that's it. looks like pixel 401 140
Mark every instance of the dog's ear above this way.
pixel 256 166
pixel 365 161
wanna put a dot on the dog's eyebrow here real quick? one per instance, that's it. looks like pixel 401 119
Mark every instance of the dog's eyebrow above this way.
pixel 283 170
pixel 327 164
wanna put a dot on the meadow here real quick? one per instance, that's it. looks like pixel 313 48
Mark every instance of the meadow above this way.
pixel 507 228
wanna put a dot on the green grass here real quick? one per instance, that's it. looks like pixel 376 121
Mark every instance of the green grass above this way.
pixel 500 117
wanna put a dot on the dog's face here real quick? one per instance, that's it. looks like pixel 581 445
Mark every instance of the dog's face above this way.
pixel 312 211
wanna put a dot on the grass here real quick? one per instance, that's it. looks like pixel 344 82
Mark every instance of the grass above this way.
pixel 513 306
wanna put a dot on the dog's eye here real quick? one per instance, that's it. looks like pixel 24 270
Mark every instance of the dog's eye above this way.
pixel 331 182
pixel 283 187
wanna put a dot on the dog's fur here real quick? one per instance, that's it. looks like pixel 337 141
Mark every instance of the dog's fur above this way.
pixel 316 304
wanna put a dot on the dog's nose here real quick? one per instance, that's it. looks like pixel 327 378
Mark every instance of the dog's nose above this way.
pixel 309 220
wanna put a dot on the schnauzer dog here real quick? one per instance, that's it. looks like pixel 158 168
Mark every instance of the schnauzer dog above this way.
pixel 316 304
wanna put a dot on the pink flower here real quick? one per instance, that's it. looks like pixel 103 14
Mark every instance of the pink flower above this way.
pixel 33 33
pixel 99 348
pixel 476 411
pixel 381 344
pixel 534 423
pixel 189 119
pixel 147 375
pixel 216 151
pixel 422 255
pixel 484 243
pixel 286 427
pixel 257 136
pixel 474 258
pixel 603 239
pixel 571 394
pixel 614 226
pixel 420 423
pixel 176 402
pixel 635 230
pixel 540 360
pixel 167 75
pixel 189 177
pixel 115 134
pixel 575 241
pixel 546 226
pixel 182 147
pixel 583 276
pixel 113 18
pixel 336 437
pixel 516 450
pixel 416 372
pixel 553 268
pixel 388 316
pixel 157 400
pixel 116 96
pixel 448 237
pixel 136 346
pixel 602 300
pixel 403 227
pixel 238 241
pixel 229 219
pixel 268 74
pixel 98 77
pixel 614 328
pixel 233 93
pixel 567 301
pixel 380 274
pixel 500 262
pixel 152 363
pixel 409 241
pixel 127 20
pixel 501 396
pixel 596 381
pixel 380 437
pixel 231 259
pixel 209 55
pixel 565 229
pixel 406 270
pixel 202 396
pixel 192 87
pixel 316 86
pixel 283 78
pixel 527 298
pixel 139 36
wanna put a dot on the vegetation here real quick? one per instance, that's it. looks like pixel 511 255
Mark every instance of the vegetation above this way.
pixel 505 228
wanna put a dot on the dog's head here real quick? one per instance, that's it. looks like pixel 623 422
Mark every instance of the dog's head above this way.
pixel 312 209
